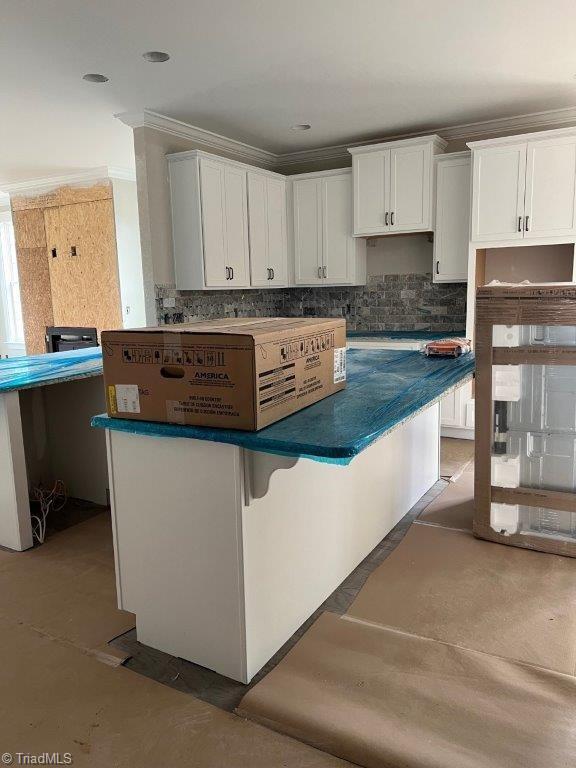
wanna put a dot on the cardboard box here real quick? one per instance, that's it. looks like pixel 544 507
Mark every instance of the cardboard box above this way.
pixel 231 373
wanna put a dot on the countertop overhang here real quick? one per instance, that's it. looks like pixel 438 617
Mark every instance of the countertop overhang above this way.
pixel 39 370
pixel 385 388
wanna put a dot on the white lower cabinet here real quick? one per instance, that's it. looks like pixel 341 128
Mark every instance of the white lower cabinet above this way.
pixel 324 250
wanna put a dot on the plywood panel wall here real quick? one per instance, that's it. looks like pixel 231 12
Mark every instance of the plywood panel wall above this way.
pixel 35 291
pixel 76 291
pixel 66 195
pixel 84 272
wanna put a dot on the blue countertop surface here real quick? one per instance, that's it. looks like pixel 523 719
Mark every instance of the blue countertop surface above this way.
pixel 38 370
pixel 385 388
pixel 405 335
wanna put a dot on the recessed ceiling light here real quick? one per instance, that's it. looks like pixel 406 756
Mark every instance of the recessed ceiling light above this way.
pixel 156 56
pixel 301 127
pixel 93 77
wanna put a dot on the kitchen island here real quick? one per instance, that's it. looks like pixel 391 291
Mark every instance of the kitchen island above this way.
pixel 227 541
pixel 46 402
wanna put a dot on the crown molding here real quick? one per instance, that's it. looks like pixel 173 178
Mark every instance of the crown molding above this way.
pixel 149 119
pixel 79 177
pixel 535 121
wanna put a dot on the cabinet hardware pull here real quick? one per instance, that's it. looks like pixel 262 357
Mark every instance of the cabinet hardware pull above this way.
pixel 73 251
pixel 227 273
pixel 231 273
pixel 268 270
pixel 323 271
pixel 272 273
pixel 392 219
pixel 438 267
pixel 386 219
pixel 519 223
pixel 54 253
pixel 526 224
pixel 320 272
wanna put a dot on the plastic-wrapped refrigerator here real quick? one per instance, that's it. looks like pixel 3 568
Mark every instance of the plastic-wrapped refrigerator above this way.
pixel 525 392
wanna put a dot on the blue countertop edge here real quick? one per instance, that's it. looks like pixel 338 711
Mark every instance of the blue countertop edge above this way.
pixel 30 371
pixel 406 335
pixel 257 441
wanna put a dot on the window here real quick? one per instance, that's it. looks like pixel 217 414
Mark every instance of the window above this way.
pixel 13 330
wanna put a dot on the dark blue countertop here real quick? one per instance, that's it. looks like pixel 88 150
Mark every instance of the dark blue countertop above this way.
pixel 38 370
pixel 405 335
pixel 385 388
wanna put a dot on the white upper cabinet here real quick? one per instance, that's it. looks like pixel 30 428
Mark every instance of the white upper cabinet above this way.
pixel 524 187
pixel 550 187
pixel 498 193
pixel 267 228
pixel 228 223
pixel 393 186
pixel 325 252
pixel 452 233
pixel 410 197
pixel 307 197
pixel 371 192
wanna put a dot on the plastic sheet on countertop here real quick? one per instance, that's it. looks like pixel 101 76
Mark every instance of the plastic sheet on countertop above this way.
pixel 38 370
pixel 385 388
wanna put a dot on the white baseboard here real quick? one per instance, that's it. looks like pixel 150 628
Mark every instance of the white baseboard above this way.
pixel 460 432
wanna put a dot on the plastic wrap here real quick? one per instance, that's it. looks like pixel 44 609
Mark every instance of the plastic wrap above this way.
pixel 385 387
pixel 404 335
pixel 38 370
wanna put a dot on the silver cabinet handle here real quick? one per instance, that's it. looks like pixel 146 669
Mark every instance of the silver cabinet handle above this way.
pixel 386 219
pixel 268 270
pixel 320 272
pixel 227 273
pixel 272 274
pixel 519 223
pixel 323 271
pixel 438 267
pixel 392 219
pixel 231 273
pixel 526 224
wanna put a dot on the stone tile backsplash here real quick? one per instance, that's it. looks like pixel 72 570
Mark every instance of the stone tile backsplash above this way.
pixel 386 303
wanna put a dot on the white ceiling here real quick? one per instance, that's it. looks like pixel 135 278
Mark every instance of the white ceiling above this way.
pixel 249 69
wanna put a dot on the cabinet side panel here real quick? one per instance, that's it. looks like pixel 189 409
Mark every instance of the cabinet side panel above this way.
pixel 186 224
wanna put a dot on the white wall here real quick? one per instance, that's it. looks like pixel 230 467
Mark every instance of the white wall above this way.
pixel 400 255
pixel 129 253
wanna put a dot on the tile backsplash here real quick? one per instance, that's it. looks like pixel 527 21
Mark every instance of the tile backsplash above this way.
pixel 386 303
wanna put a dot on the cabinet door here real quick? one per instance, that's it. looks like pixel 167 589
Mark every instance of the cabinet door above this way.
pixel 337 238
pixel 371 172
pixel 213 223
pixel 267 228
pixel 550 187
pixel 410 192
pixel 277 243
pixel 258 229
pixel 307 231
pixel 452 233
pixel 236 227
pixel 498 193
